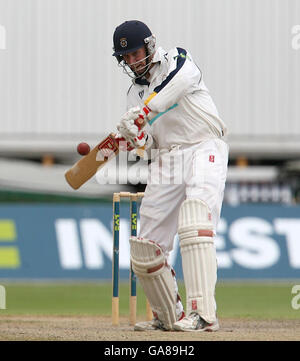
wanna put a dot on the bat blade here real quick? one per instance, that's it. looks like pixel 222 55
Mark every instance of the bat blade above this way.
pixel 87 166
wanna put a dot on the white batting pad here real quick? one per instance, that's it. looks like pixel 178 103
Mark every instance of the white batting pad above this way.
pixel 149 264
pixel 198 253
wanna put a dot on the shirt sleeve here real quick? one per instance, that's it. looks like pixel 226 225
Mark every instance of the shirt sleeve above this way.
pixel 183 77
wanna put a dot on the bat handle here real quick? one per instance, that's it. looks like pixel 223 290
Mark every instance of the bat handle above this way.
pixel 140 152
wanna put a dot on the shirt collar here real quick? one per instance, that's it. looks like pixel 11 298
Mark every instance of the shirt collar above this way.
pixel 141 81
pixel 158 55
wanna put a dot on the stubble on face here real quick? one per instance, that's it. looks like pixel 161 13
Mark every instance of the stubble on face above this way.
pixel 136 61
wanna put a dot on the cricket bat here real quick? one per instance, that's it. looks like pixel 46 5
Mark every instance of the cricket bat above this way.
pixel 88 165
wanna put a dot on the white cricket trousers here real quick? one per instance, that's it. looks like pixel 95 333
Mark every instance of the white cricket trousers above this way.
pixel 196 172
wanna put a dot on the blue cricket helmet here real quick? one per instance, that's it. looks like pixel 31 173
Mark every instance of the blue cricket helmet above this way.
pixel 129 37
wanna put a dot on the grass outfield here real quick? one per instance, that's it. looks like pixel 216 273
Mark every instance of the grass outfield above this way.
pixel 235 300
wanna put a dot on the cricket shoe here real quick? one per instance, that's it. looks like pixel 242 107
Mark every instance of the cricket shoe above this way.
pixel 195 323
pixel 153 325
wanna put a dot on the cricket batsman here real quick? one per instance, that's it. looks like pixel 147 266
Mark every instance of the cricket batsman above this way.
pixel 183 125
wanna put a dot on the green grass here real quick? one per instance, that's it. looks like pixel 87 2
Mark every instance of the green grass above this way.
pixel 242 300
pixel 256 301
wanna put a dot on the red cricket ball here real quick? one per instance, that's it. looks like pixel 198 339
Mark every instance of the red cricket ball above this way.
pixel 83 148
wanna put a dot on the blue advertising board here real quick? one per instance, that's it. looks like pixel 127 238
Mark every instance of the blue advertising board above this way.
pixel 75 242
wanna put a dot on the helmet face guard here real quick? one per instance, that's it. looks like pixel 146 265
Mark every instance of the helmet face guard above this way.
pixel 129 37
pixel 127 68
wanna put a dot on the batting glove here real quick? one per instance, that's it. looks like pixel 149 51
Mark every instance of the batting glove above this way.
pixel 132 122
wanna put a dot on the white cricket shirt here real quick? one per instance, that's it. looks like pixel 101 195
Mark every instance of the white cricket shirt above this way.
pixel 183 112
